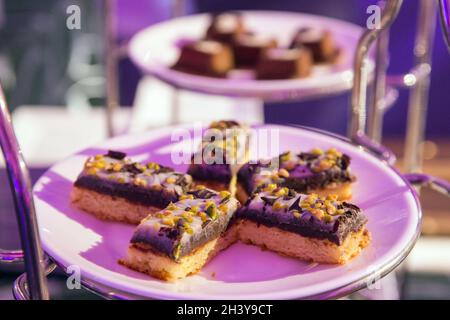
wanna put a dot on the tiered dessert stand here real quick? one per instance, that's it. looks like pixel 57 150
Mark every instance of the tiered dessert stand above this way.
pixel 32 284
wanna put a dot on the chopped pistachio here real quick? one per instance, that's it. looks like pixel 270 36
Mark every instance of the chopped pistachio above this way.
pixel 168 221
pixel 296 214
pixel 140 182
pixel 223 194
pixel 283 173
pixel 117 167
pixel 270 187
pixel 92 171
pixel 186 197
pixel 223 207
pixel 317 151
pixel 212 211
pixel 171 180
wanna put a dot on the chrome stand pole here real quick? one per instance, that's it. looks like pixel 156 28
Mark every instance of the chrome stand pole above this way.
pixel 357 127
pixel 178 9
pixel 20 182
pixel 418 101
pixel 378 103
pixel 444 13
pixel 110 54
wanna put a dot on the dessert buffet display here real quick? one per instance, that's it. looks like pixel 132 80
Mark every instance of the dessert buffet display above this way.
pixel 147 226
pixel 263 54
pixel 182 228
pixel 228 44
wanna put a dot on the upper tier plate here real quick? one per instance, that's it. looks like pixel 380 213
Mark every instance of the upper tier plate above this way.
pixel 73 237
pixel 154 50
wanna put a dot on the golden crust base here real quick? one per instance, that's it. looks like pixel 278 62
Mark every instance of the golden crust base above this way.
pixel 303 248
pixel 110 208
pixel 141 258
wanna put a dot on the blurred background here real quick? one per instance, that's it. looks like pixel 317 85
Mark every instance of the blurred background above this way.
pixel 54 81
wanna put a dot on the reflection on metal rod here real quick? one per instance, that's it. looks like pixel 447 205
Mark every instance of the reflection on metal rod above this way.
pixel 377 105
pixel 418 100
pixel 444 9
pixel 410 79
pixel 11 256
pixel 379 150
pixel 20 182
pixel 358 103
pixel 112 86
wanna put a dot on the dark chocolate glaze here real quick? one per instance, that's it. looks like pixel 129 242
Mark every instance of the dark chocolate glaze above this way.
pixel 210 172
pixel 302 179
pixel 308 225
pixel 220 172
pixel 169 238
pixel 159 198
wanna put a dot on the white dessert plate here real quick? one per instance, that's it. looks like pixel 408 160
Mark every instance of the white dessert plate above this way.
pixel 156 48
pixel 74 238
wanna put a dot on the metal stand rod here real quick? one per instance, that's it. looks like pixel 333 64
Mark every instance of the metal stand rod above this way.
pixel 444 13
pixel 377 106
pixel 357 128
pixel 110 54
pixel 423 180
pixel 417 109
pixel 358 100
pixel 20 182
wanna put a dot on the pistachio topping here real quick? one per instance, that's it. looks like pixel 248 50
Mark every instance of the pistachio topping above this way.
pixel 115 167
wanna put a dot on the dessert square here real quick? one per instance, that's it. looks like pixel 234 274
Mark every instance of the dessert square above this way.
pixel 249 49
pixel 320 42
pixel 225 27
pixel 318 171
pixel 224 148
pixel 280 63
pixel 206 57
pixel 306 227
pixel 114 188
pixel 182 238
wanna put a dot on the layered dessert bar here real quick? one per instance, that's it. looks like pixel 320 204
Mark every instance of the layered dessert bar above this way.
pixel 206 57
pixel 306 227
pixel 322 172
pixel 320 42
pixel 223 150
pixel 249 49
pixel 114 188
pixel 182 238
pixel 280 63
pixel 225 27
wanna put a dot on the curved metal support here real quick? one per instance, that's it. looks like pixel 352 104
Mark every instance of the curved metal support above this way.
pixel 444 12
pixel 20 182
pixel 20 286
pixel 424 180
pixel 379 150
pixel 358 102
pixel 11 256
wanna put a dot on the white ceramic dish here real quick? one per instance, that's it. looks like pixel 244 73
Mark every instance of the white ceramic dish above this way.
pixel 73 237
pixel 155 50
